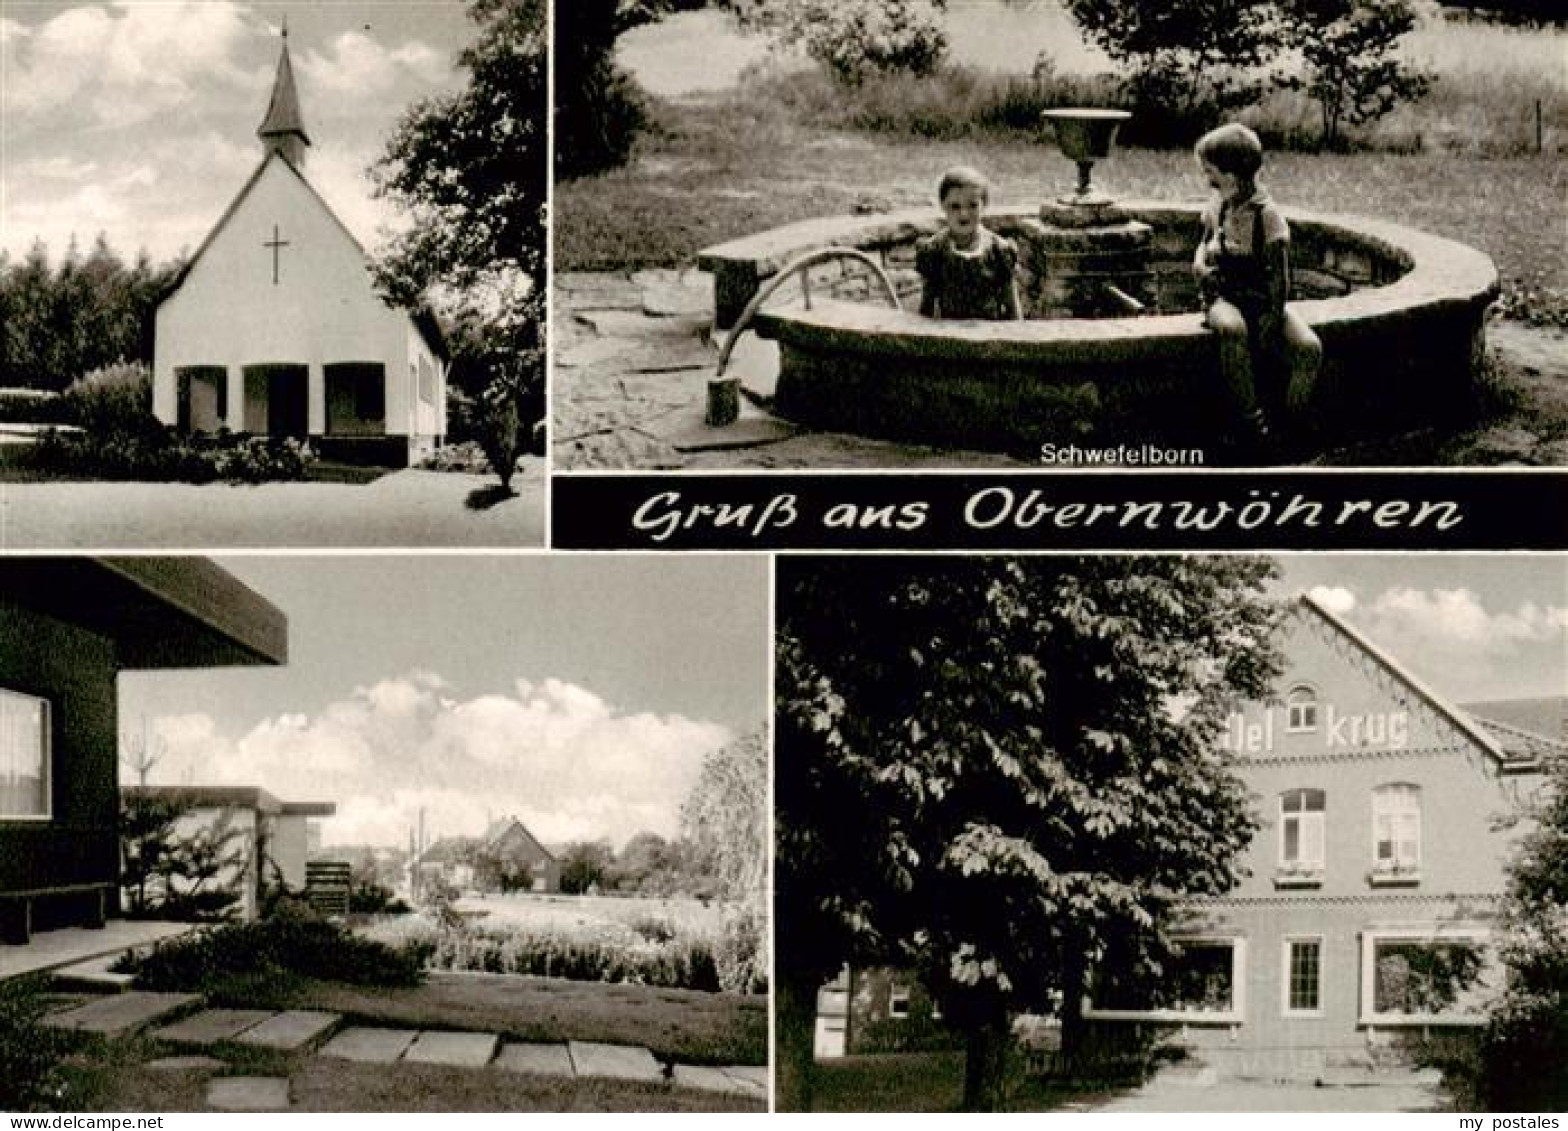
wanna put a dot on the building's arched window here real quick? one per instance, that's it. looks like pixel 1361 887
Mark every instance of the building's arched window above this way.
pixel 1396 828
pixel 1301 830
pixel 1301 709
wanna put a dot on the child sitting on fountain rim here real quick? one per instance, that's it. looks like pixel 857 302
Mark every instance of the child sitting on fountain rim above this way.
pixel 1269 357
pixel 966 270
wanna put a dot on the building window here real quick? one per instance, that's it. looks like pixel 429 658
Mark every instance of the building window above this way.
pixel 1206 983
pixel 1301 818
pixel 1396 831
pixel 1301 709
pixel 898 1001
pixel 427 381
pixel 24 756
pixel 1304 977
pixel 1419 977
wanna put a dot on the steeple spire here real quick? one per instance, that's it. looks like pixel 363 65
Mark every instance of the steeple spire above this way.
pixel 283 129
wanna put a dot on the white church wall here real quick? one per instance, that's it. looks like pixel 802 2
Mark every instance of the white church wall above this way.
pixel 323 308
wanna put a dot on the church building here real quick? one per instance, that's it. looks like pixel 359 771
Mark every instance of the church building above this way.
pixel 275 327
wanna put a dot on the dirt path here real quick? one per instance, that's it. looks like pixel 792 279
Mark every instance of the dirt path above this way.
pixel 414 509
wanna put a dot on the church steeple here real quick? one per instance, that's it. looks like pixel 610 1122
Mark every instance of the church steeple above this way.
pixel 283 129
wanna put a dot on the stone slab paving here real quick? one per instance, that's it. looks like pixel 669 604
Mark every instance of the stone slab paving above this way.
pixel 535 1059
pixel 616 1062
pixel 293 1029
pixel 473 1050
pixel 374 1046
pixel 121 1013
pixel 706 1078
pixel 212 1026
pixel 248 1093
pixel 184 1064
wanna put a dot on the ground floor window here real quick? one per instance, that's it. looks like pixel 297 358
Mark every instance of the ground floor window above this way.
pixel 356 398
pixel 24 756
pixel 203 397
pixel 1205 981
pixel 1407 976
pixel 1304 977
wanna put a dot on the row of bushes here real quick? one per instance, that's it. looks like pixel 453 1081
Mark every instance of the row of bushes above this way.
pixel 959 101
pixel 292 943
pixel 167 456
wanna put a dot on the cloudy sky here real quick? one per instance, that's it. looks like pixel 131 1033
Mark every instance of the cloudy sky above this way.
pixel 580 694
pixel 138 118
pixel 1472 626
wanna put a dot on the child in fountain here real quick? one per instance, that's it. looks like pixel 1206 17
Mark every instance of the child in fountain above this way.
pixel 966 270
pixel 1269 357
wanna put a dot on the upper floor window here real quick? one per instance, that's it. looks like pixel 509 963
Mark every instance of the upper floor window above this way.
pixel 1301 817
pixel 898 1000
pixel 24 756
pixel 1396 828
pixel 1301 709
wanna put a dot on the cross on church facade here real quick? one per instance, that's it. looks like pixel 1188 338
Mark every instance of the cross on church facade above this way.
pixel 276 245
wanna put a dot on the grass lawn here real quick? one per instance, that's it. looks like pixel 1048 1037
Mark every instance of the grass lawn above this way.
pixel 685 1025
pixel 728 166
pixel 925 1082
pixel 112 1078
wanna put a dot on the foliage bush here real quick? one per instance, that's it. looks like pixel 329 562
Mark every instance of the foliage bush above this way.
pixel 742 952
pixel 375 899
pixel 31 406
pixel 1351 66
pixel 855 39
pixel 293 943
pixel 30 1054
pixel 162 455
pixel 114 399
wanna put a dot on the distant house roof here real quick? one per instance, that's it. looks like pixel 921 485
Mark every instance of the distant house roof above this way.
pixel 232 797
pixel 448 850
pixel 162 612
pixel 1546 716
pixel 499 830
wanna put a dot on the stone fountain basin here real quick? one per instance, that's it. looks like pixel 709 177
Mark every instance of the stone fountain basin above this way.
pixel 1402 318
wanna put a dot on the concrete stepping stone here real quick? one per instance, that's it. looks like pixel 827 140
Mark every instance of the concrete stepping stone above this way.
pixel 757 1074
pixel 184 1064
pixel 615 1062
pixel 212 1026
pixel 535 1059
pixel 121 1013
pixel 472 1050
pixel 706 1078
pixel 248 1093
pixel 93 975
pixel 373 1046
pixel 592 351
pixel 292 1029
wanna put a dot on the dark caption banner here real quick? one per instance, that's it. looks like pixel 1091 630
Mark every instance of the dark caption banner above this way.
pixel 1251 510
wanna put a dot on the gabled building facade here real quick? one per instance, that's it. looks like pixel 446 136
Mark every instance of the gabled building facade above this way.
pixel 275 327
pixel 70 626
pixel 511 858
pixel 1369 910
pixel 1370 904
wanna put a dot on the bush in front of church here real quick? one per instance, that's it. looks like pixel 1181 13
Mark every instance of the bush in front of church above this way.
pixel 113 400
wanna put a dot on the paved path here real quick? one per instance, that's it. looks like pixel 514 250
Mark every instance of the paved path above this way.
pixel 120 1014
pixel 632 359
pixel 406 508
pixel 303 1030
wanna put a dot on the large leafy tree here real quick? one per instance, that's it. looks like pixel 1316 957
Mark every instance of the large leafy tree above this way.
pixel 471 170
pixel 1350 51
pixel 1523 1063
pixel 1004 772
pixel 59 322
pixel 1188 62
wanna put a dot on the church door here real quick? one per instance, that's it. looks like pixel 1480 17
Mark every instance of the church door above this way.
pixel 203 396
pixel 276 400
